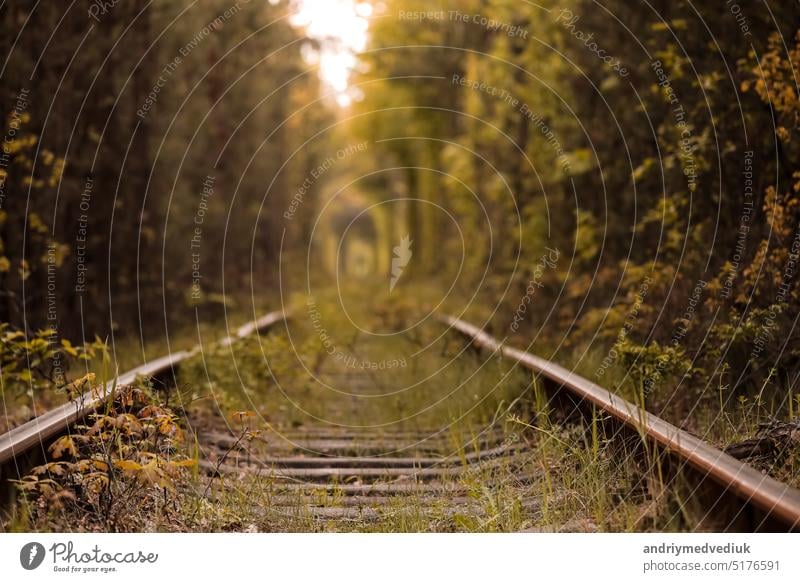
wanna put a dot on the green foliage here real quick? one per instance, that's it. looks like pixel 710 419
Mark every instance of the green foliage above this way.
pixel 142 117
pixel 636 177
pixel 651 365
pixel 41 362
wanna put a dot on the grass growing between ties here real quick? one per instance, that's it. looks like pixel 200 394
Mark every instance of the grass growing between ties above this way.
pixel 446 399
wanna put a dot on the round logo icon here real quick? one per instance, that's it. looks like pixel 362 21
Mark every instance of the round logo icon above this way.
pixel 31 555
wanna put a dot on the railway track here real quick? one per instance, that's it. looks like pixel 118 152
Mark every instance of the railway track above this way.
pixel 311 476
pixel 359 477
pixel 737 496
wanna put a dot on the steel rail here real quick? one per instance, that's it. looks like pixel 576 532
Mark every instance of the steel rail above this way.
pixel 777 500
pixel 37 431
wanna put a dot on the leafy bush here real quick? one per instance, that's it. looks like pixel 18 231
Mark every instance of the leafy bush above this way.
pixel 36 369
pixel 116 472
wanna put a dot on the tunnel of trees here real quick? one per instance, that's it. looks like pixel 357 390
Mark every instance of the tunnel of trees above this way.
pixel 163 157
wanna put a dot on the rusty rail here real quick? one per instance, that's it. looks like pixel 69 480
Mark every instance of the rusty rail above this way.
pixel 776 500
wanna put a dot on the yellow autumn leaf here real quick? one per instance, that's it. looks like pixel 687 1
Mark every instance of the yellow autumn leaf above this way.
pixel 83 466
pixel 57 469
pixel 64 445
pixel 128 424
pixel 184 463
pixel 81 384
pixel 67 345
pixel 100 465
pixel 96 482
pixel 127 466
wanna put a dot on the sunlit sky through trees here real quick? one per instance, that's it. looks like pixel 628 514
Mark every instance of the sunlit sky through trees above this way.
pixel 341 27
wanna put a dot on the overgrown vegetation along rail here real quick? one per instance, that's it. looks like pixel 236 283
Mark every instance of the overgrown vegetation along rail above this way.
pixel 285 436
pixel 32 437
pixel 762 501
